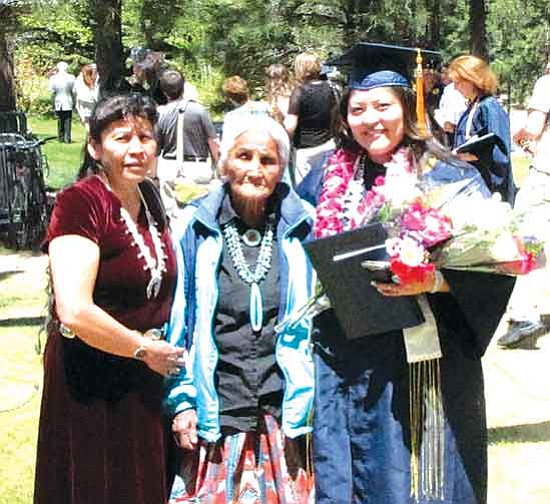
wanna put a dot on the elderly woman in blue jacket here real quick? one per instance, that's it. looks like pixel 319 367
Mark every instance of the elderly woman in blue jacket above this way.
pixel 241 405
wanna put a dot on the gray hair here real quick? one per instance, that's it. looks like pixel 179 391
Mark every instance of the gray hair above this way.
pixel 62 66
pixel 255 123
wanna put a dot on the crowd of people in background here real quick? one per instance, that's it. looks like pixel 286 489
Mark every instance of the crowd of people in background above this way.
pixel 182 247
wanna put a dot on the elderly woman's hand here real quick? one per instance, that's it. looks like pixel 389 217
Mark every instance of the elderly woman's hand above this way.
pixel 164 358
pixel 184 428
pixel 432 283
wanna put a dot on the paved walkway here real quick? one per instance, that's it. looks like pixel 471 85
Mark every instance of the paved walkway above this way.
pixel 517 383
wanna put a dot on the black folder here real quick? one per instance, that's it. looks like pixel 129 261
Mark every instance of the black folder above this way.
pixel 361 310
pixel 477 144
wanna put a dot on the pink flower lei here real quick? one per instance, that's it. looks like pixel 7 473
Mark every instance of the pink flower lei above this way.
pixel 339 172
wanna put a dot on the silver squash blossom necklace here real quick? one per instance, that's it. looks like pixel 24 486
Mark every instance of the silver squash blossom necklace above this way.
pixel 263 265
pixel 156 267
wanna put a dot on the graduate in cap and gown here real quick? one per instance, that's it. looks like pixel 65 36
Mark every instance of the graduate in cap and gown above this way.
pixel 475 80
pixel 388 430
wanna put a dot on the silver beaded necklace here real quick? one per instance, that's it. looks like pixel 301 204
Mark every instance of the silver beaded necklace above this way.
pixel 156 267
pixel 263 265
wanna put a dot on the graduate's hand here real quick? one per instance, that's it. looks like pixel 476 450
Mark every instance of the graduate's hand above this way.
pixel 394 289
pixel 184 428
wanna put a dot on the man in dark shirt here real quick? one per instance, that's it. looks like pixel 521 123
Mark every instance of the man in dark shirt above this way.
pixel 194 156
pixel 199 135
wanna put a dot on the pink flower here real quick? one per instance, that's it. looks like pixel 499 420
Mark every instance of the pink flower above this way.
pixel 427 224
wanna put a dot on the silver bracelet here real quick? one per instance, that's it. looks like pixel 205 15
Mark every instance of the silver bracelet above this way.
pixel 438 282
pixel 66 332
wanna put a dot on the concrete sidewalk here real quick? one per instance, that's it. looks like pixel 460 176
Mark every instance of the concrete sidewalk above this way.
pixel 517 390
pixel 517 383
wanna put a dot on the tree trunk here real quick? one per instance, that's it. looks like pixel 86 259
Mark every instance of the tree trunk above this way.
pixel 7 76
pixel 349 27
pixel 109 53
pixel 478 28
pixel 433 28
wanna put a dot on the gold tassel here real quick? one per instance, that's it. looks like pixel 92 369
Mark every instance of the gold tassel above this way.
pixel 420 108
pixel 427 430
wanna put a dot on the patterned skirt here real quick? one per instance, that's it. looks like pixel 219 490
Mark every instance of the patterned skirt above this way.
pixel 262 467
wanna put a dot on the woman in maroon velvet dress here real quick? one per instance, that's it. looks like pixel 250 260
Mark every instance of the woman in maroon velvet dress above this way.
pixel 101 437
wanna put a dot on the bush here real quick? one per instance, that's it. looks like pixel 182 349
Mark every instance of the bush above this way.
pixel 33 94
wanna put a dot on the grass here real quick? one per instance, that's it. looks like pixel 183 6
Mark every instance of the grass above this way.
pixel 20 379
pixel 63 159
pixel 21 296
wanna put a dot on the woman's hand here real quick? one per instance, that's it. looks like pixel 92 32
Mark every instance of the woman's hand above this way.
pixel 184 428
pixel 164 358
pixel 431 283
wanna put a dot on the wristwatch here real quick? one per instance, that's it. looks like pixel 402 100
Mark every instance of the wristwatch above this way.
pixel 140 353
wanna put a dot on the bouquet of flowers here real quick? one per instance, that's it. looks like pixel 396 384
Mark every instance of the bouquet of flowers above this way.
pixel 444 219
pixel 464 230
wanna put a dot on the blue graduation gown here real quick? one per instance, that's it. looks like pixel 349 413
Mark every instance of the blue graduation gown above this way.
pixel 494 163
pixel 361 436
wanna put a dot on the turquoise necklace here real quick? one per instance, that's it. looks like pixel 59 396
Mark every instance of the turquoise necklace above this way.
pixel 263 265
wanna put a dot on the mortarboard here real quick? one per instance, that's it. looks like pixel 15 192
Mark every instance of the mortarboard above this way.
pixel 366 58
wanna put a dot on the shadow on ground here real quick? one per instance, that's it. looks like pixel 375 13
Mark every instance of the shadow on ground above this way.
pixel 22 321
pixel 7 274
pixel 526 433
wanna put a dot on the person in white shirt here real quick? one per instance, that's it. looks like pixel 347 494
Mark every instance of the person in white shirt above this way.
pixel 451 106
pixel 61 85
pixel 85 90
pixel 529 308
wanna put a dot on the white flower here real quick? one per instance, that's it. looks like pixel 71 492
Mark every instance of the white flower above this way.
pixel 484 214
pixel 393 246
pixel 504 248
pixel 410 252
pixel 400 189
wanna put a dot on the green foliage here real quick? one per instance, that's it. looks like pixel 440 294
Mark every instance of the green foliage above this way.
pixel 32 88
pixel 212 39
pixel 57 31
pixel 520 42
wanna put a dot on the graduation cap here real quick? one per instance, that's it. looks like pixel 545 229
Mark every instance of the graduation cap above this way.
pixel 366 58
pixel 381 65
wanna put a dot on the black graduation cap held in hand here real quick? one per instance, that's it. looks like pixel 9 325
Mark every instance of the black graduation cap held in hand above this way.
pixel 361 310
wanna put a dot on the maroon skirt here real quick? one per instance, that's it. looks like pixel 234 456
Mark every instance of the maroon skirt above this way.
pixel 97 449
